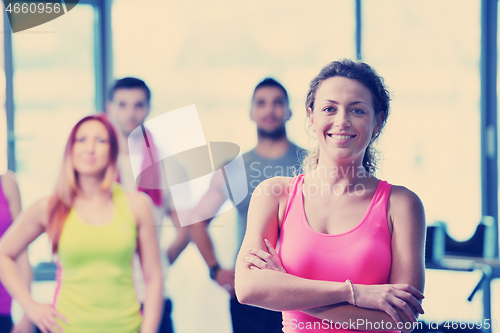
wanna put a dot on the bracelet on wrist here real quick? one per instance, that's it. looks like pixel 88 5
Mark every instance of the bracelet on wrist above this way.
pixel 352 291
pixel 213 271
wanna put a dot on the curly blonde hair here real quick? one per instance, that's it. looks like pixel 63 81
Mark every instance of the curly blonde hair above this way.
pixel 366 75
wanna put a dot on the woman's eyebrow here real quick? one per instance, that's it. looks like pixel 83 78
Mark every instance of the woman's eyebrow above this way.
pixel 352 103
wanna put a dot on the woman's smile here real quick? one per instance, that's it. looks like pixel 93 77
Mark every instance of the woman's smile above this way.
pixel 343 113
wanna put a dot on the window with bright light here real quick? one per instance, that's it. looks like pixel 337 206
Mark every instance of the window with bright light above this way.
pixel 432 140
pixel 54 86
pixel 429 56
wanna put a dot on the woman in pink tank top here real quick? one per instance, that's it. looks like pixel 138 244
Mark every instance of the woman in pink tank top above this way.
pixel 10 207
pixel 350 247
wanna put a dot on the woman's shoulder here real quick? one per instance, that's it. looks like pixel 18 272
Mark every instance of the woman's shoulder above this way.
pixel 403 196
pixel 9 177
pixel 9 183
pixel 139 202
pixel 269 199
pixel 278 180
pixel 39 210
pixel 276 186
pixel 138 199
pixel 405 205
pixel 272 192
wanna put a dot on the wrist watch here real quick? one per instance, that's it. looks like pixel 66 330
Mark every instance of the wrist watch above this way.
pixel 213 271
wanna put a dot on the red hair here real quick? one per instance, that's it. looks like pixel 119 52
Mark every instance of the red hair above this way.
pixel 67 186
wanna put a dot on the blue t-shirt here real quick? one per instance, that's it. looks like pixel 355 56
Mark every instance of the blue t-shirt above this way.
pixel 259 169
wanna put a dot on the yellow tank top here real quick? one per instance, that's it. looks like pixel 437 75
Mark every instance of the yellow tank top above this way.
pixel 94 278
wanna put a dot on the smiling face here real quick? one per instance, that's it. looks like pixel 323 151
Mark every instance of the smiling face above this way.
pixel 129 108
pixel 269 109
pixel 343 119
pixel 90 154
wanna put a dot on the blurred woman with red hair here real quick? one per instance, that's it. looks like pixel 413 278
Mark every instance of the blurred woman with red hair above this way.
pixel 95 227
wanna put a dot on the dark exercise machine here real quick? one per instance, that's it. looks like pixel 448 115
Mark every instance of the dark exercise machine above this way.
pixel 476 253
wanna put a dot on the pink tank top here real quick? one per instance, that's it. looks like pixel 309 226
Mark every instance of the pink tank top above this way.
pixel 362 254
pixel 5 222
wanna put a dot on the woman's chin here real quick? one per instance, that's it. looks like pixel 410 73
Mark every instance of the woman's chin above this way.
pixel 90 173
pixel 342 158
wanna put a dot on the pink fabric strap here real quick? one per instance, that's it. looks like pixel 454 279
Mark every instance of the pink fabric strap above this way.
pixel 151 177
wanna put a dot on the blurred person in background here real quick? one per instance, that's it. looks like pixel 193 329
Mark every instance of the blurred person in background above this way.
pixel 350 246
pixel 129 106
pixel 95 228
pixel 273 156
pixel 10 207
